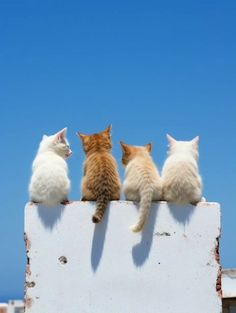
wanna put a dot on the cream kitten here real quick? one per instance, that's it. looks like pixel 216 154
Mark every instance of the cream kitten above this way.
pixel 182 182
pixel 142 181
pixel 49 183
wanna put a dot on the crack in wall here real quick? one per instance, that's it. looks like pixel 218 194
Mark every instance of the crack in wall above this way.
pixel 219 274
pixel 27 300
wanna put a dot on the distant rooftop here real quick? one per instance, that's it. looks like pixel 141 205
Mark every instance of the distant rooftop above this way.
pixel 229 283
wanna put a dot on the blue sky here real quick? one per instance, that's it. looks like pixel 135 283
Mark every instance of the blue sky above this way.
pixel 147 67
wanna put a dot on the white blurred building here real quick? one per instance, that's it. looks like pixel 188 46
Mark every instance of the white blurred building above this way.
pixel 3 307
pixel 13 306
pixel 229 290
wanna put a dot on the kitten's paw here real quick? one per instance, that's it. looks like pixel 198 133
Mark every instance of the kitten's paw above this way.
pixel 65 202
pixel 195 203
pixel 32 202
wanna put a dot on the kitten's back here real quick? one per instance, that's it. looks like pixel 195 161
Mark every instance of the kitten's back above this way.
pixel 142 181
pixel 101 180
pixel 181 180
pixel 49 183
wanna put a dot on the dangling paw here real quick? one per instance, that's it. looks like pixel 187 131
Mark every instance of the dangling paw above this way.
pixel 65 202
pixel 32 202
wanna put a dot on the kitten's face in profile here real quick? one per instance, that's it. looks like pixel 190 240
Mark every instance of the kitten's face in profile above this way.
pixel 131 152
pixel 183 146
pixel 56 143
pixel 96 142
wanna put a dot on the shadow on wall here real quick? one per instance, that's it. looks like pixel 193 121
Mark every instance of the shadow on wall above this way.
pixel 50 216
pixel 140 252
pixel 182 214
pixel 99 237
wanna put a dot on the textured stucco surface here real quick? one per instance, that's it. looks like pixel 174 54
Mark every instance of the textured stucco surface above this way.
pixel 76 267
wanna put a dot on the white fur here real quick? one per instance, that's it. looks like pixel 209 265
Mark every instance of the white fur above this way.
pixel 142 183
pixel 182 182
pixel 49 183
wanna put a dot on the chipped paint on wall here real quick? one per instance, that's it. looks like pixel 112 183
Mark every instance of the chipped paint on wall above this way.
pixel 219 274
pixel 74 266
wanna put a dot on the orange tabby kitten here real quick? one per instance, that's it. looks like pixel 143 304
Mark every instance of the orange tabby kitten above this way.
pixel 101 181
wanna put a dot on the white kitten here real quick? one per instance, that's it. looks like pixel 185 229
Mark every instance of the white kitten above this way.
pixel 182 182
pixel 142 181
pixel 49 183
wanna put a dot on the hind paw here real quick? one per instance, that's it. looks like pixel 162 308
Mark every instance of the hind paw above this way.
pixel 195 203
pixel 65 202
pixel 34 202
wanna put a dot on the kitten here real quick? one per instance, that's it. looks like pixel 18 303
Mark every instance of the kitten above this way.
pixel 182 182
pixel 142 180
pixel 49 183
pixel 101 181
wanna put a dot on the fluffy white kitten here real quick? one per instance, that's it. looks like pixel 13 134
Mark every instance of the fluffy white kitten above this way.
pixel 142 181
pixel 49 183
pixel 182 182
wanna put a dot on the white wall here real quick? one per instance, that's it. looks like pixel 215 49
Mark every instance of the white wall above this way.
pixel 76 267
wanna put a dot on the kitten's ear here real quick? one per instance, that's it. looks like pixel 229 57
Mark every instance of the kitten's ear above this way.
pixel 44 137
pixel 125 147
pixel 148 147
pixel 80 135
pixel 170 139
pixel 108 129
pixel 195 141
pixel 61 134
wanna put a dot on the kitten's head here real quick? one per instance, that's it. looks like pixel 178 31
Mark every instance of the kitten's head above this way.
pixel 188 147
pixel 56 143
pixel 131 152
pixel 96 142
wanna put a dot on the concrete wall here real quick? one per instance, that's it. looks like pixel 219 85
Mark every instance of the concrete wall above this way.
pixel 76 267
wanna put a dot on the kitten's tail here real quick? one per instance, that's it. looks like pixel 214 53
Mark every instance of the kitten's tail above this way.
pixel 145 204
pixel 102 202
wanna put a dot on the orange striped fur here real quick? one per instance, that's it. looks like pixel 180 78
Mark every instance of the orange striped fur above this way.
pixel 101 181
